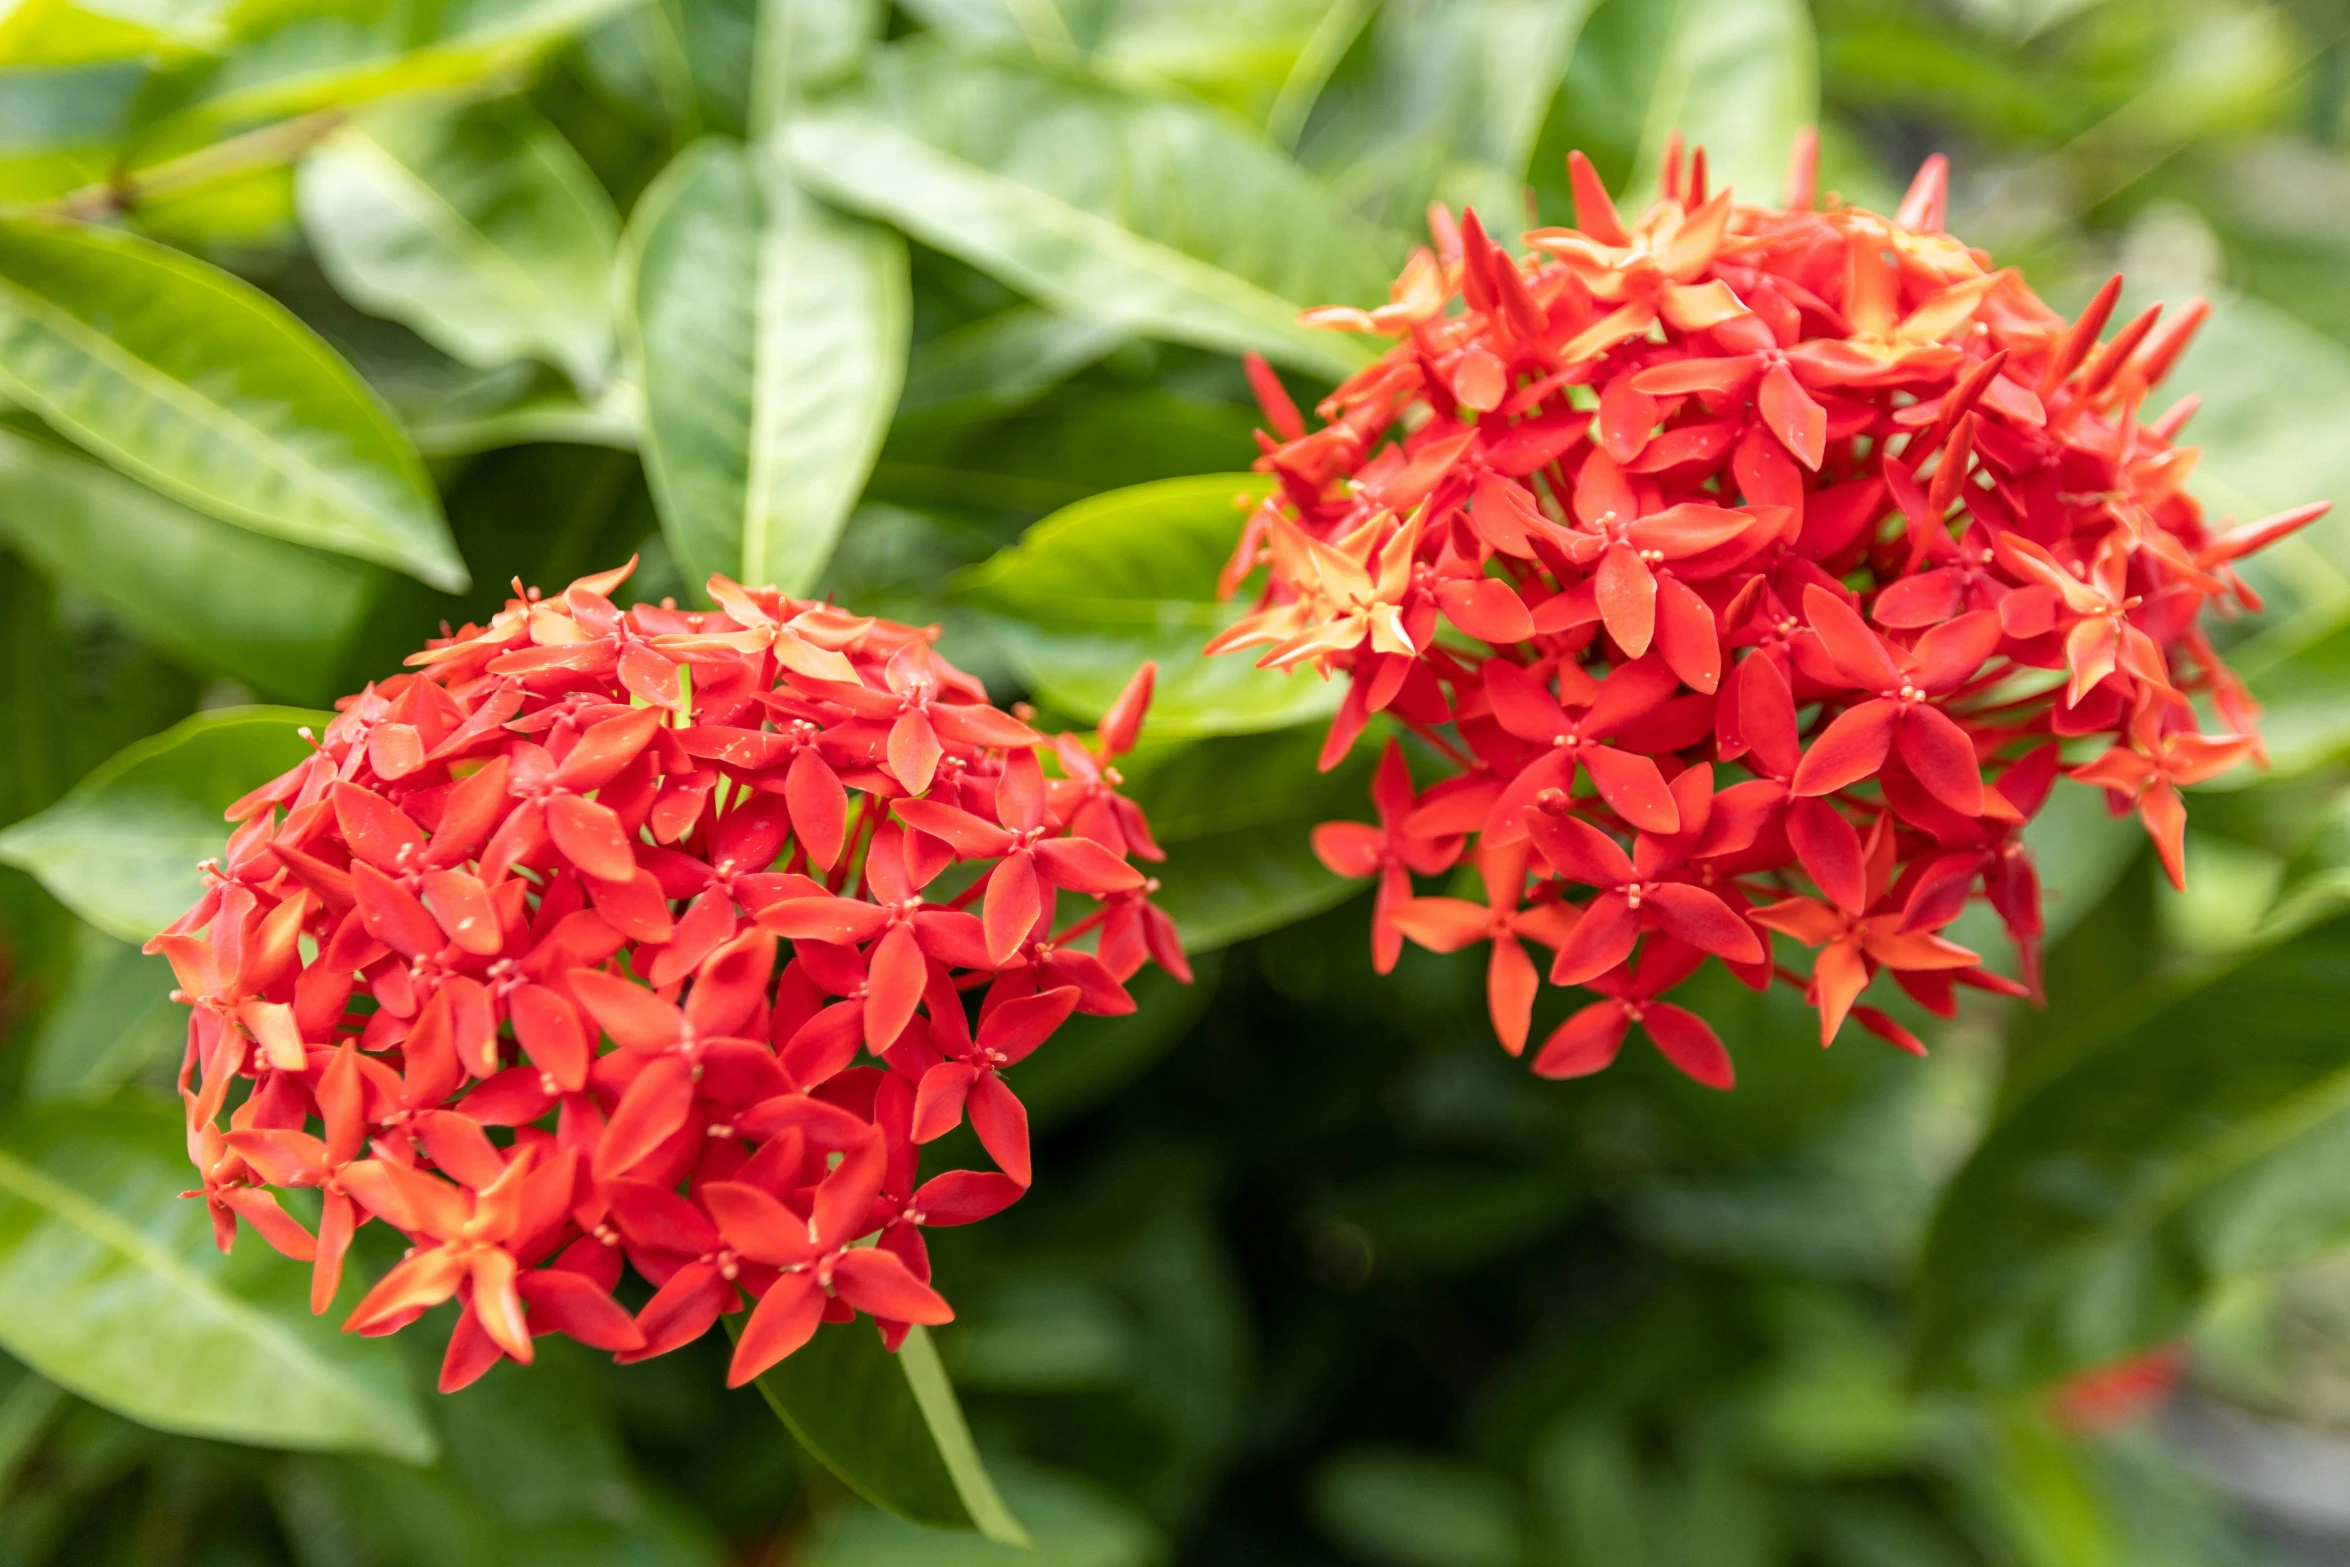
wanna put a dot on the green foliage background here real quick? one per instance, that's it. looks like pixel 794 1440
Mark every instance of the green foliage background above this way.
pixel 322 319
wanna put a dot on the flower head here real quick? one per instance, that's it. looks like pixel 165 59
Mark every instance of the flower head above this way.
pixel 1746 568
pixel 631 941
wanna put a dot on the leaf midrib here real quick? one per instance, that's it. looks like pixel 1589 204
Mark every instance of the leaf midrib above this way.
pixel 137 372
pixel 73 1209
pixel 461 234
pixel 1062 220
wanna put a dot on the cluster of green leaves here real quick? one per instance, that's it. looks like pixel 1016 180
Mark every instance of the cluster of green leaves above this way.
pixel 322 319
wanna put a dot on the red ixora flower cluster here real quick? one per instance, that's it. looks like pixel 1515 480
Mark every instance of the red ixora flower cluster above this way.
pixel 498 965
pixel 1753 570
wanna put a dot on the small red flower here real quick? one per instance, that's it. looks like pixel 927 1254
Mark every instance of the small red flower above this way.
pixel 605 905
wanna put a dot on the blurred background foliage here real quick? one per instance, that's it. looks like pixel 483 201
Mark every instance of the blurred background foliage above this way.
pixel 320 320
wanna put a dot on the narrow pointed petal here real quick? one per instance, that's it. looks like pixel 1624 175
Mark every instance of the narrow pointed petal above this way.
pixel 1012 904
pixel 1002 1124
pixel 1686 635
pixel 1703 920
pixel 1586 1043
pixel 655 1106
pixel 783 1321
pixel 571 1304
pixel 1829 849
pixel 1849 749
pixel 1627 598
pixel 1684 1039
pixel 878 1284
pixel 1633 787
pixel 898 973
pixel 591 837
pixel 1510 984
pixel 1942 758
pixel 1601 940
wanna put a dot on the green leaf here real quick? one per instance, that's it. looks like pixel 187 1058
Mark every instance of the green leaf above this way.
pixel 942 1413
pixel 1240 54
pixel 1098 587
pixel 1156 216
pixel 992 24
pixel 1417 1509
pixel 888 1425
pixel 217 597
pixel 1002 361
pixel 76 694
pixel 214 393
pixel 480 228
pixel 1094 1057
pixel 522 404
pixel 534 1472
pixel 121 849
pixel 60 32
pixel 2203 1135
pixel 1236 816
pixel 1739 78
pixel 115 1020
pixel 769 335
pixel 1075 1524
pixel 1449 105
pixel 2275 431
pixel 298 58
pixel 62 129
pixel 1072 443
pixel 111 1287
pixel 803 45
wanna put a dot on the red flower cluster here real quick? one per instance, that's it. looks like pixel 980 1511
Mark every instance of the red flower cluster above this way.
pixel 1751 570
pixel 498 966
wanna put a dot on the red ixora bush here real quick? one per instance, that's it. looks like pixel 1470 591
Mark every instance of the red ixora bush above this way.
pixel 1752 571
pixel 497 965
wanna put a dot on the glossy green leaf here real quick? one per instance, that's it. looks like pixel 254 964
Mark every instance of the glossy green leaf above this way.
pixel 1447 105
pixel 214 393
pixel 2204 1135
pixel 122 849
pixel 1236 816
pixel 1093 1058
pixel 62 32
pixel 804 45
pixel 942 1414
pixel 889 1425
pixel 293 59
pixel 111 1287
pixel 993 24
pixel 1074 1523
pixel 217 597
pixel 478 227
pixel 1242 54
pixel 1098 587
pixel 61 129
pixel 535 1471
pixel 114 1020
pixel 76 695
pixel 769 335
pixel 1153 215
pixel 1002 361
pixel 1068 445
pixel 2274 426
pixel 522 404
pixel 1739 78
